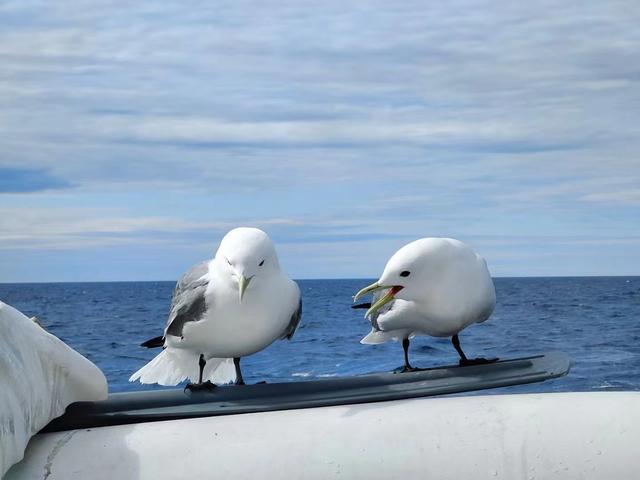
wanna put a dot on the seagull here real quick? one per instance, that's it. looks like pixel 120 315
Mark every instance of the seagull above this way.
pixel 224 309
pixel 431 286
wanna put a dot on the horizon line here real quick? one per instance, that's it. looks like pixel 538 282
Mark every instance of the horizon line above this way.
pixel 311 279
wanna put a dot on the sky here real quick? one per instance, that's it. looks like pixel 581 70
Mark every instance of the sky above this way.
pixel 133 135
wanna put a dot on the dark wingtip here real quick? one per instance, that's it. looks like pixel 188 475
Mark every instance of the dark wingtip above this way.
pixel 362 305
pixel 154 342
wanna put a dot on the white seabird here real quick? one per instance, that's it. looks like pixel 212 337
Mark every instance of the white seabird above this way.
pixel 227 308
pixel 432 286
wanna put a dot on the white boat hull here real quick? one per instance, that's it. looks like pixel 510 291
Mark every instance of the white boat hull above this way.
pixel 538 436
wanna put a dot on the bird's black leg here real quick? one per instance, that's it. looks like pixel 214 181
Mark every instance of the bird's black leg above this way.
pixel 200 385
pixel 456 344
pixel 407 366
pixel 201 363
pixel 239 379
pixel 464 361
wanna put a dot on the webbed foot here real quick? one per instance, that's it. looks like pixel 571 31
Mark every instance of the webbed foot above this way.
pixel 198 387
pixel 467 362
pixel 408 368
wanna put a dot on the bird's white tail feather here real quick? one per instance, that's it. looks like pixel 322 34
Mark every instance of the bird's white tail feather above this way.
pixel 172 366
pixel 219 371
pixel 375 337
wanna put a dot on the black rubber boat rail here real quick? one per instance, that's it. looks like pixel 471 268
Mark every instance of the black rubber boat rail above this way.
pixel 174 404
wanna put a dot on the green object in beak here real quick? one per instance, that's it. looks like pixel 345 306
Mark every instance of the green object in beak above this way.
pixel 382 301
pixel 374 287
pixel 243 283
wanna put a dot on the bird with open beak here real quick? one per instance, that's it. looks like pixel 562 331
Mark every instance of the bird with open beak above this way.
pixel 223 309
pixel 432 286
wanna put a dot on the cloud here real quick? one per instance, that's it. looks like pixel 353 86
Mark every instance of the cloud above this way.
pixel 628 197
pixel 341 133
pixel 87 227
pixel 362 124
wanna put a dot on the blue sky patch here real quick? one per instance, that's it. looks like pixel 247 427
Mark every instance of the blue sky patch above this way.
pixel 29 180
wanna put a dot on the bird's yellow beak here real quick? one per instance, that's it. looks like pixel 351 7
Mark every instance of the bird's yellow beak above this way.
pixel 374 287
pixel 382 301
pixel 243 283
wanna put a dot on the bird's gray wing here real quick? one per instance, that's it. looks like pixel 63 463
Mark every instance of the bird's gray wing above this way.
pixel 188 302
pixel 294 321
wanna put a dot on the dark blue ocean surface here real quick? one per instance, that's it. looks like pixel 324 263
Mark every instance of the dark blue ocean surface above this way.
pixel 596 320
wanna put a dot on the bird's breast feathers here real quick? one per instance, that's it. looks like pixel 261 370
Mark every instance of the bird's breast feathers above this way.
pixel 269 300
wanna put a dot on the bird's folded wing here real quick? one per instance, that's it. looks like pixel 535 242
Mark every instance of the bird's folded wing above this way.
pixel 188 303
pixel 294 321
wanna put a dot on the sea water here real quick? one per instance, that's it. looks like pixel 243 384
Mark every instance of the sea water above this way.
pixel 595 320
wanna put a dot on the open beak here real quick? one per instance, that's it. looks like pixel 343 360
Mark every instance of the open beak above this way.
pixel 374 287
pixel 389 296
pixel 243 283
pixel 382 301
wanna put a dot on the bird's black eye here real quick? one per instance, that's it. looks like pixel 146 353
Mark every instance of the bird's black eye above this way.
pixel 229 262
pixel 261 263
pixel 406 273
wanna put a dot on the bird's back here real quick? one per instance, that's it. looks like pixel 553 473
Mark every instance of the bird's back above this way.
pixel 462 287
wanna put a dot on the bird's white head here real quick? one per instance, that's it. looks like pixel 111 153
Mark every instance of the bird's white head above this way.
pixel 247 255
pixel 408 272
